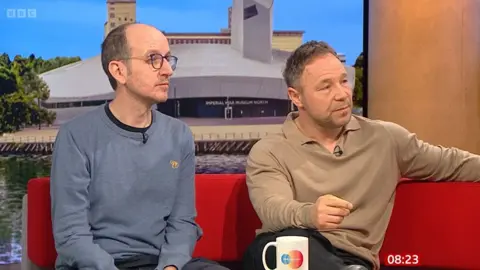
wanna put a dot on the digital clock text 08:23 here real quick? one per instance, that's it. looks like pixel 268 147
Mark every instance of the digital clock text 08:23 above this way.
pixel 406 259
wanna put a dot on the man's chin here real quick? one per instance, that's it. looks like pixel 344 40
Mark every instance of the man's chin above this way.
pixel 160 98
pixel 343 120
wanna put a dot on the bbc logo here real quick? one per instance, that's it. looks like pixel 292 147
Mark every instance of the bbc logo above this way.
pixel 21 13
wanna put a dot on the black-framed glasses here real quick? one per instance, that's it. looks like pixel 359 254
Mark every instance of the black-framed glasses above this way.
pixel 156 60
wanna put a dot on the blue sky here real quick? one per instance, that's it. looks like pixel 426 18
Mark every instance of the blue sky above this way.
pixel 75 27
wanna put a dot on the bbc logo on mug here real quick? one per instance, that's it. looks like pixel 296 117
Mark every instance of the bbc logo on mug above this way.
pixel 293 259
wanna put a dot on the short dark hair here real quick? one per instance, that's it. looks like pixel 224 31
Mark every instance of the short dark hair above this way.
pixel 301 57
pixel 115 47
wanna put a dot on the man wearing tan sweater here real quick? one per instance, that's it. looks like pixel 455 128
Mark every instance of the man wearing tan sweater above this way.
pixel 331 176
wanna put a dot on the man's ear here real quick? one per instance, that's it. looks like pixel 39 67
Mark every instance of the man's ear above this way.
pixel 295 96
pixel 118 70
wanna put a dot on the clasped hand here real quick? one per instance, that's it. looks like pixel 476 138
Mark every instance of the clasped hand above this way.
pixel 329 212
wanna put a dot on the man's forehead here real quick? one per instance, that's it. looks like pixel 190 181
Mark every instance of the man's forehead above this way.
pixel 150 48
pixel 147 39
pixel 325 67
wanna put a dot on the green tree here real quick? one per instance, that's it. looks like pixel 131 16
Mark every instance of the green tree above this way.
pixel 38 90
pixel 4 60
pixel 8 87
pixel 8 81
pixel 42 66
pixel 22 91
pixel 358 90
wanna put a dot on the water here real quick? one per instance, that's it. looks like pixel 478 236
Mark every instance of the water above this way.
pixel 15 173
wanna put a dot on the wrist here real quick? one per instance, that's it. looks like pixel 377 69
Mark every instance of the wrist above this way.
pixel 308 215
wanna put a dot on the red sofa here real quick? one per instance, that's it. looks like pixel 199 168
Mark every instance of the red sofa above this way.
pixel 436 221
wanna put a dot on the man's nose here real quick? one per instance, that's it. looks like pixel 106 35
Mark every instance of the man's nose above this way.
pixel 166 69
pixel 341 93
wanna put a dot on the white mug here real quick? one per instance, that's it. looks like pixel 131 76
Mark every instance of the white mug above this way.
pixel 292 253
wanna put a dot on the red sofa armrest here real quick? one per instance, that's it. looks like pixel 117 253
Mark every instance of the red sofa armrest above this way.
pixel 41 247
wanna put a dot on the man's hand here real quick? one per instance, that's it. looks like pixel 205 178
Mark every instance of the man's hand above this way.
pixel 170 268
pixel 329 211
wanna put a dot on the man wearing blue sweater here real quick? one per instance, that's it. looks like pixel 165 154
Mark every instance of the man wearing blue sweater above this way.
pixel 122 179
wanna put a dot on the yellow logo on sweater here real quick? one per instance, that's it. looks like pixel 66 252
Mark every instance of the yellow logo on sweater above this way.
pixel 174 164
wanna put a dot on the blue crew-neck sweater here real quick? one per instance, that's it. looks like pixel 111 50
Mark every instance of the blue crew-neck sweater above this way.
pixel 118 192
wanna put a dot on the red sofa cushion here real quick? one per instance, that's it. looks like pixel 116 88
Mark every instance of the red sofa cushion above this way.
pixel 439 222
pixel 436 221
pixel 224 213
pixel 226 217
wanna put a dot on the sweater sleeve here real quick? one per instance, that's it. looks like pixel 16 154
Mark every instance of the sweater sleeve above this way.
pixel 70 179
pixel 422 161
pixel 271 193
pixel 182 233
